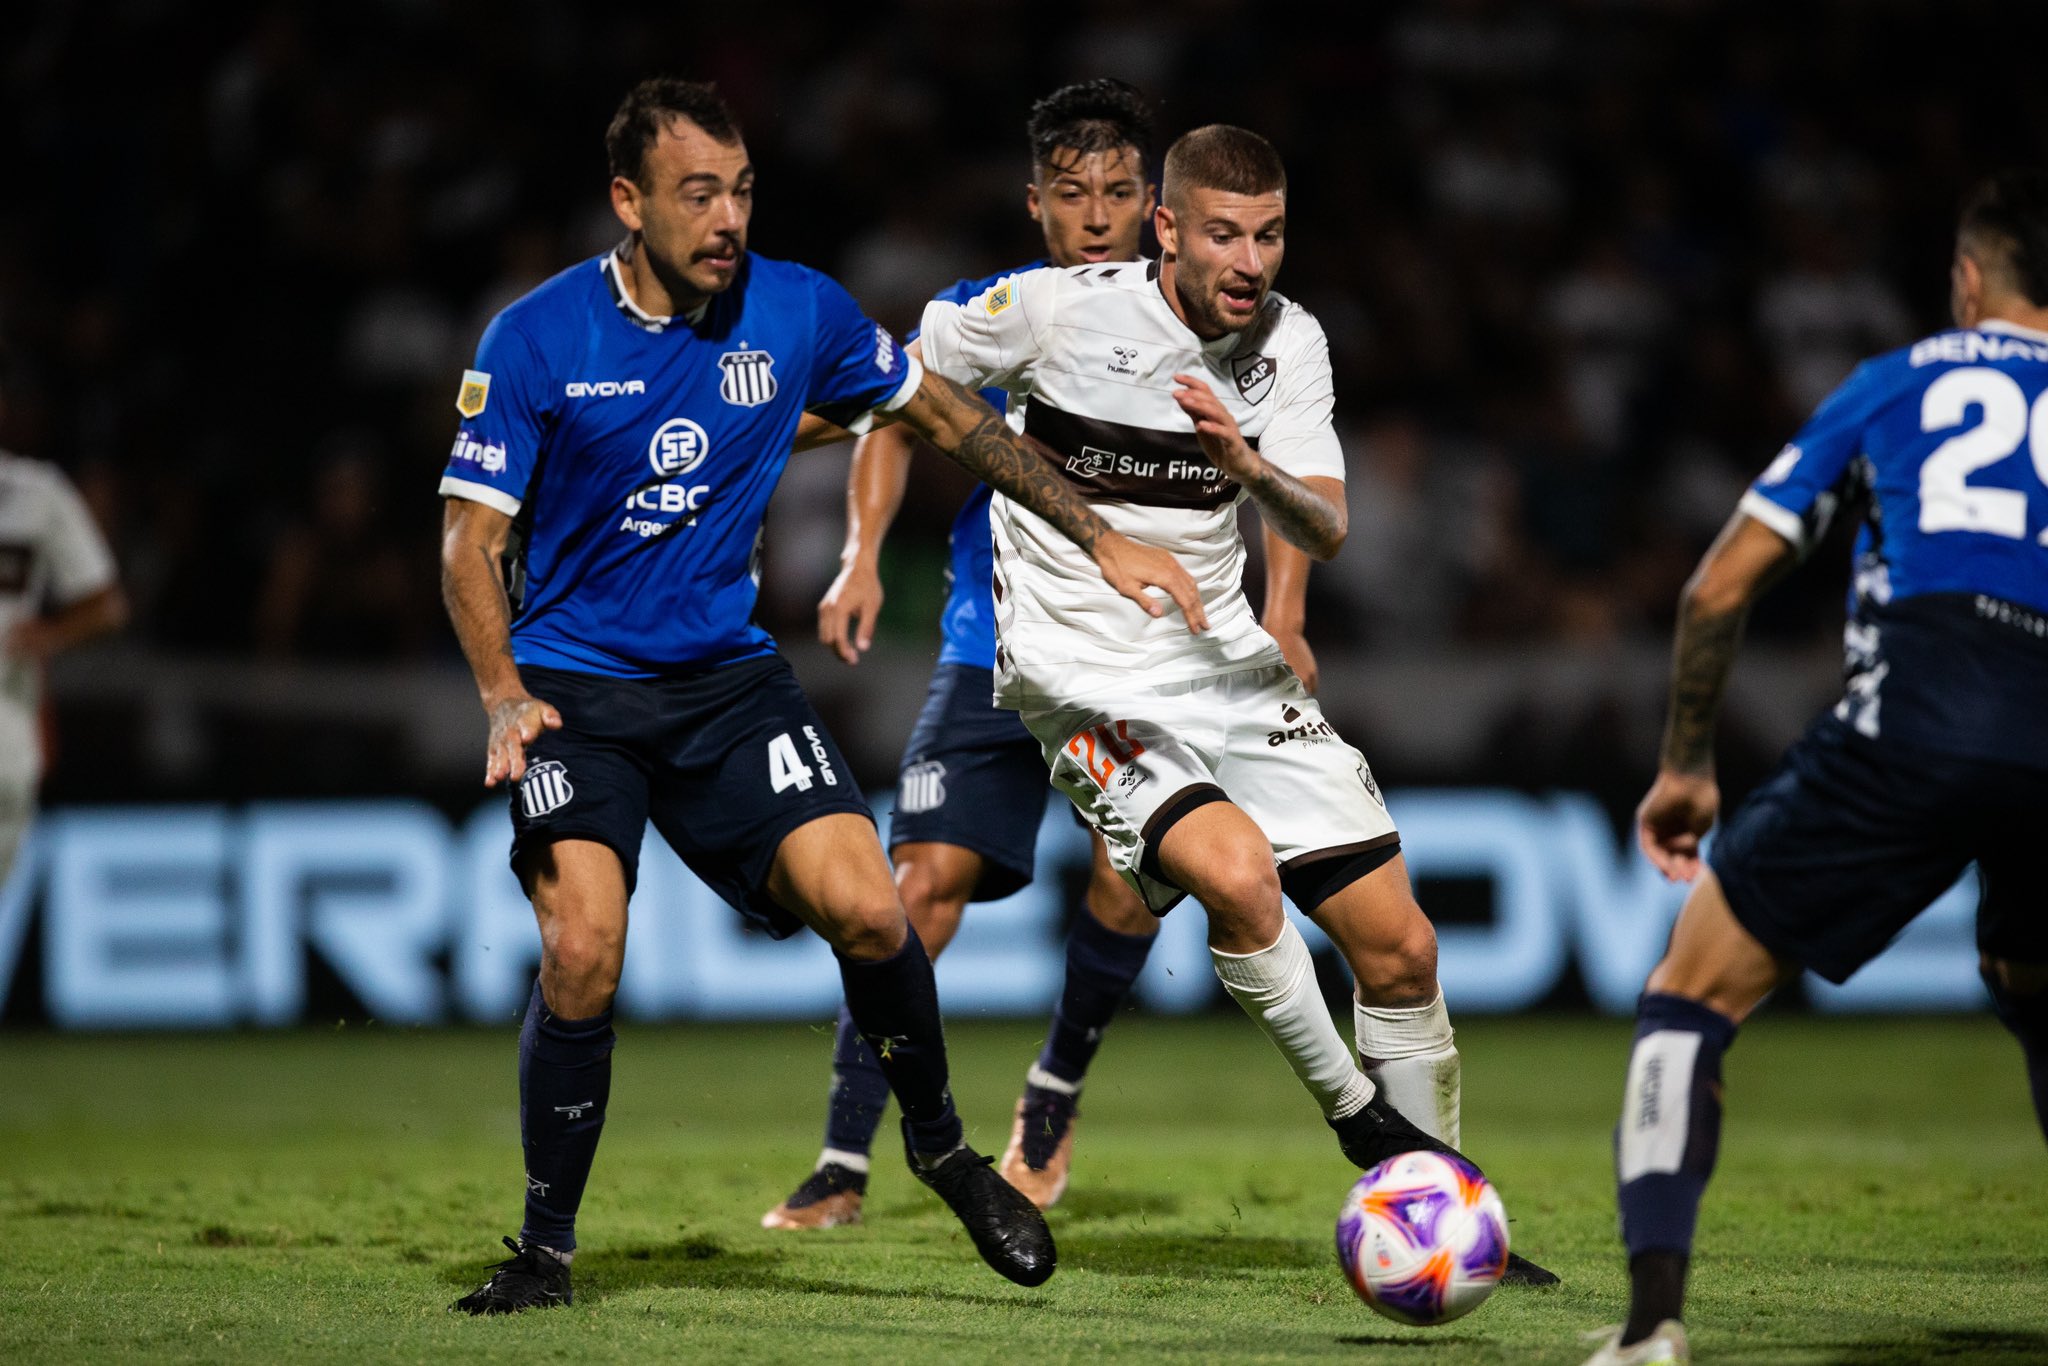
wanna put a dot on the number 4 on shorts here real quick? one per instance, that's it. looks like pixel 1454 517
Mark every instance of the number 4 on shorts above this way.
pixel 785 769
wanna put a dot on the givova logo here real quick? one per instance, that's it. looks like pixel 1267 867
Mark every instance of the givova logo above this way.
pixel 677 447
pixel 545 788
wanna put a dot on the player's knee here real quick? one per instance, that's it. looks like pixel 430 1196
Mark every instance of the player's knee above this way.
pixel 1404 971
pixel 867 929
pixel 1241 891
pixel 933 901
pixel 581 962
pixel 1115 906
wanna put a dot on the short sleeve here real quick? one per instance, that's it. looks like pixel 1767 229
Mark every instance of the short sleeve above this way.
pixel 1799 491
pixel 1301 436
pixel 859 369
pixel 80 563
pixel 991 340
pixel 503 405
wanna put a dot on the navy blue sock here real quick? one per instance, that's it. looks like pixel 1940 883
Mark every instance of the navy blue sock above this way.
pixel 565 1078
pixel 1101 965
pixel 2027 1017
pixel 895 1007
pixel 1666 1142
pixel 859 1091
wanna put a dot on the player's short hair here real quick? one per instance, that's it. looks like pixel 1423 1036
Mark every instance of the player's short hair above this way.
pixel 1102 115
pixel 651 106
pixel 2007 214
pixel 1220 157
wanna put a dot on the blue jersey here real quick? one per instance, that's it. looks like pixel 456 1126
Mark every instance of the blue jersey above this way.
pixel 1946 444
pixel 637 454
pixel 969 621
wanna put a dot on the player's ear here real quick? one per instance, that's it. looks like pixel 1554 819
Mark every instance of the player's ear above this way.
pixel 1031 203
pixel 626 202
pixel 1966 289
pixel 1162 224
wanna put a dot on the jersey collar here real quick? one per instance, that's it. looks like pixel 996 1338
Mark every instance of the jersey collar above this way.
pixel 2001 325
pixel 615 280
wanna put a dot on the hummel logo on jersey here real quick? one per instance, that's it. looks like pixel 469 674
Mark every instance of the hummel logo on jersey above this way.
pixel 748 377
pixel 677 447
pixel 1092 462
pixel 923 788
pixel 1124 358
pixel 604 388
pixel 545 788
pixel 1254 375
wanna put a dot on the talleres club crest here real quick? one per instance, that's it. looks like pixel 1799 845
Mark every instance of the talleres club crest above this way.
pixel 746 378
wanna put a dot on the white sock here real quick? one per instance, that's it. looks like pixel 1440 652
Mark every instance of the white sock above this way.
pixel 1277 987
pixel 1408 1053
pixel 853 1162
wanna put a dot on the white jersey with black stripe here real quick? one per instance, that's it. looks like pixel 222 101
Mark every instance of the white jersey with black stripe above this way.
pixel 51 555
pixel 1089 353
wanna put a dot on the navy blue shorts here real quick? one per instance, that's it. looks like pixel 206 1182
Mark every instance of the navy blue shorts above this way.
pixel 1852 838
pixel 725 762
pixel 972 776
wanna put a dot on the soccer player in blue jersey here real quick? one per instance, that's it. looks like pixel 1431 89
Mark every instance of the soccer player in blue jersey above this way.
pixel 972 786
pixel 623 429
pixel 1936 756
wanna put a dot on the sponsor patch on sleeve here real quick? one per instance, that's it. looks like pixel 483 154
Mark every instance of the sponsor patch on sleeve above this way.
pixel 999 298
pixel 475 392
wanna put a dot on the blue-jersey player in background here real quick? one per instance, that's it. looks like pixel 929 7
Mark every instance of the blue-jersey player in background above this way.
pixel 623 429
pixel 971 789
pixel 1936 756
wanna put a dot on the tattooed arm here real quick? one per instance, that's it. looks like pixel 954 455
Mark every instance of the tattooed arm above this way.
pixel 473 541
pixel 1309 513
pixel 970 433
pixel 1745 559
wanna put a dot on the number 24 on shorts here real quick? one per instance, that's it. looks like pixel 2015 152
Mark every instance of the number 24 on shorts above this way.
pixel 1117 748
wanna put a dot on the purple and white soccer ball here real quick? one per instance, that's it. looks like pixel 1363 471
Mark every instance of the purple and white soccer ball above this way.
pixel 1423 1238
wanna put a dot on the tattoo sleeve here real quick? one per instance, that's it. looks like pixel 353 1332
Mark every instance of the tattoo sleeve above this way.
pixel 1700 661
pixel 997 456
pixel 1297 512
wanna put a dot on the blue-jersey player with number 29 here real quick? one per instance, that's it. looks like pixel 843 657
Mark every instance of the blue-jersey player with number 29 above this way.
pixel 1935 757
pixel 623 429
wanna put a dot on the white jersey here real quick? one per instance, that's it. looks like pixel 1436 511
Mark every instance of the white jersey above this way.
pixel 51 555
pixel 1090 353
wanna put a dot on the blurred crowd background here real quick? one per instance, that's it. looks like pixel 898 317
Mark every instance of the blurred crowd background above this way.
pixel 1584 267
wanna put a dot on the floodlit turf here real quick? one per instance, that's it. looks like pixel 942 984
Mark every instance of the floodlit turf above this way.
pixel 322 1197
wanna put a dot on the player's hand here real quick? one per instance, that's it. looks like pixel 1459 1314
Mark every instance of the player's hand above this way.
pixel 1131 569
pixel 1216 429
pixel 1674 818
pixel 516 722
pixel 847 612
pixel 1300 658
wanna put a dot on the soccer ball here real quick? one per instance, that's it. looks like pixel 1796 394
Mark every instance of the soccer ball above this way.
pixel 1423 1238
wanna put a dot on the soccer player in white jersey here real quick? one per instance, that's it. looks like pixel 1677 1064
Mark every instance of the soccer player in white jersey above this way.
pixel 1170 392
pixel 57 589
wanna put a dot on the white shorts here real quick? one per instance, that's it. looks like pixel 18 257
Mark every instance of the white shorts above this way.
pixel 1134 760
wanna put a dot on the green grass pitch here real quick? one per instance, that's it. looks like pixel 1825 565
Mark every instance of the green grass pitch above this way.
pixel 322 1196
